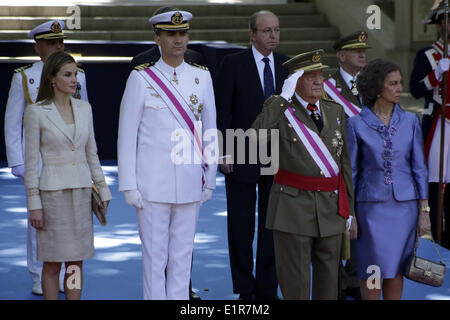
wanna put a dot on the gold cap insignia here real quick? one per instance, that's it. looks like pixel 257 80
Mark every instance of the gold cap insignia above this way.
pixel 56 27
pixel 177 18
pixel 315 58
pixel 362 37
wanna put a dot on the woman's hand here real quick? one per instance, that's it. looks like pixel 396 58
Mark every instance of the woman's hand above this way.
pixel 37 219
pixel 424 224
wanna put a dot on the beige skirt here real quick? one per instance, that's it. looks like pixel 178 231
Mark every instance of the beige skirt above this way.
pixel 68 231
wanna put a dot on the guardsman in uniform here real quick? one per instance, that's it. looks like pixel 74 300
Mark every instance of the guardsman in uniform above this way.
pixel 341 87
pixel 167 156
pixel 24 90
pixel 312 195
pixel 427 81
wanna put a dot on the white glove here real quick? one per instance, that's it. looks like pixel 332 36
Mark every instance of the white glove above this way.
pixel 18 171
pixel 206 195
pixel 290 84
pixel 133 198
pixel 443 66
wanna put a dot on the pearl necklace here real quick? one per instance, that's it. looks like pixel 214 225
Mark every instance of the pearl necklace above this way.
pixel 384 116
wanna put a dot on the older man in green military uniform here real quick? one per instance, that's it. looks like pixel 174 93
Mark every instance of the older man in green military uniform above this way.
pixel 312 195
pixel 341 85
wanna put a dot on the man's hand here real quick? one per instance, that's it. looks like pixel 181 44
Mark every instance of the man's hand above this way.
pixel 290 84
pixel 18 171
pixel 353 229
pixel 37 219
pixel 133 198
pixel 443 66
pixel 206 195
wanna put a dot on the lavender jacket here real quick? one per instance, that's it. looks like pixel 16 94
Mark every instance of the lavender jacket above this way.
pixel 387 160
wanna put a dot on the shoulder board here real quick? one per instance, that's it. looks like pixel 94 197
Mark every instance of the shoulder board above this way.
pixel 198 66
pixel 22 68
pixel 327 99
pixel 143 66
pixel 80 70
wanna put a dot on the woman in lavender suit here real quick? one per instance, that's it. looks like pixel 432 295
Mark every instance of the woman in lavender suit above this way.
pixel 390 181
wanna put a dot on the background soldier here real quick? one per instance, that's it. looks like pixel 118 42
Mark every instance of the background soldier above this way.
pixel 24 89
pixel 427 81
pixel 351 54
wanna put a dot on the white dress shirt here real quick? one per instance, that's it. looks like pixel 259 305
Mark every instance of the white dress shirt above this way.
pixel 348 78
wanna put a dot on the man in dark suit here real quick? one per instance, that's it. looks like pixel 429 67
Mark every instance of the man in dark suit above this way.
pixel 151 56
pixel 245 80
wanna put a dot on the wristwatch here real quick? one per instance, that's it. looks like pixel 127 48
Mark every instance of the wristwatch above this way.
pixel 425 209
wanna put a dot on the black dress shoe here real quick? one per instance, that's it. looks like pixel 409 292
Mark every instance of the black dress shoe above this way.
pixel 354 293
pixel 246 297
pixel 194 296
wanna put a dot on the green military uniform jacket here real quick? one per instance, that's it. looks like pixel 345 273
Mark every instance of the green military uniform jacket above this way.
pixel 302 212
pixel 344 89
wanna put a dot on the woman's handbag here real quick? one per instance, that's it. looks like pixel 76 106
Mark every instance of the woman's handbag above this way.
pixel 425 271
pixel 97 204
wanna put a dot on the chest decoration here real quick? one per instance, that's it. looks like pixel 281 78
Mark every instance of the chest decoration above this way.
pixel 197 81
pixel 387 154
pixel 337 142
pixel 31 80
pixel 195 107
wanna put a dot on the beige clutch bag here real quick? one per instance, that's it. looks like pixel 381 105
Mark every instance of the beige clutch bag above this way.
pixel 97 204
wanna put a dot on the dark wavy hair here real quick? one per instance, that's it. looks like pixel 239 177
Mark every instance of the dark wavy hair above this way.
pixel 370 82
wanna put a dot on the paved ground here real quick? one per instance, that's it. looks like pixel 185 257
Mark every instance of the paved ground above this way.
pixel 115 271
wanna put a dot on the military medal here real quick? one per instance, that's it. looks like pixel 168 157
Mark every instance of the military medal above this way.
pixel 31 80
pixel 337 142
pixel 196 80
pixel 354 89
pixel 195 110
pixel 174 78
pixel 316 115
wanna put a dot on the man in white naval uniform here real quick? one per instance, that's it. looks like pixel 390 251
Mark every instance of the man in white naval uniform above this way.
pixel 24 90
pixel 160 105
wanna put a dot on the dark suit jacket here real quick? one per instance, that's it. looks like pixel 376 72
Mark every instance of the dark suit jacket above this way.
pixel 240 98
pixel 153 55
pixel 345 92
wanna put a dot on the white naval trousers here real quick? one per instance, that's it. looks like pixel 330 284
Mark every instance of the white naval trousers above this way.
pixel 167 235
pixel 433 157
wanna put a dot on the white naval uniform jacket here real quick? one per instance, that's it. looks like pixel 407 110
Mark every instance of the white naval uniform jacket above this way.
pixel 21 92
pixel 146 137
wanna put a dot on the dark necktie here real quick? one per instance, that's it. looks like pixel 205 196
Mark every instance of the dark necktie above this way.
pixel 268 79
pixel 315 116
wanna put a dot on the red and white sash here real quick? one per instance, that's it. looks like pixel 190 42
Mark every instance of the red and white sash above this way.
pixel 349 108
pixel 179 108
pixel 314 144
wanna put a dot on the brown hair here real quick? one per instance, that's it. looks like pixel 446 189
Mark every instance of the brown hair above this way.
pixel 52 65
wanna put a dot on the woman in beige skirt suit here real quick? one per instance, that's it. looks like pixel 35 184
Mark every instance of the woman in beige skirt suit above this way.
pixel 59 130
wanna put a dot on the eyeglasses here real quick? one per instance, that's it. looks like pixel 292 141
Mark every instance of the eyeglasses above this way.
pixel 268 31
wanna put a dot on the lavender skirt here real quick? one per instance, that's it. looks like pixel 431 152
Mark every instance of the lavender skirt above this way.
pixel 386 236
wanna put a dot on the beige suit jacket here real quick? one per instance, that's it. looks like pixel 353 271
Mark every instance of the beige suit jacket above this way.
pixel 68 162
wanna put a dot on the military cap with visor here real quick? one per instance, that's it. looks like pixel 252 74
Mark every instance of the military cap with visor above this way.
pixel 171 21
pixel 308 61
pixel 48 31
pixel 356 40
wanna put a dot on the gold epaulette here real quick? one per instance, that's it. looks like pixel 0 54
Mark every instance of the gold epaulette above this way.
pixel 22 68
pixel 144 66
pixel 198 66
pixel 328 99
pixel 80 70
